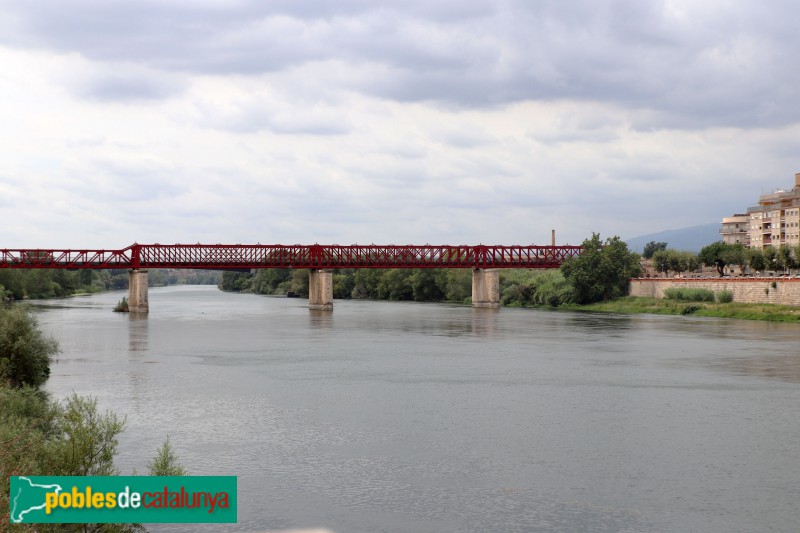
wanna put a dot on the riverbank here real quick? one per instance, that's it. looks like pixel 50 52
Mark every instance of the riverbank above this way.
pixel 662 306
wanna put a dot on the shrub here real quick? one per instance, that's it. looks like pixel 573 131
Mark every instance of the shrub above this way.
pixel 724 297
pixel 122 306
pixel 690 309
pixel 689 295
pixel 25 353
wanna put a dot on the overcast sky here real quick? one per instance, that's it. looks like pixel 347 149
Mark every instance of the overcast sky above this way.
pixel 422 121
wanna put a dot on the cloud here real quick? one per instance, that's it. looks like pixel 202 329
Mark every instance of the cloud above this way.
pixel 382 122
pixel 694 65
pixel 124 83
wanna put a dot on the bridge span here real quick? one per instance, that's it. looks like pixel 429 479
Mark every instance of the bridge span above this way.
pixel 484 260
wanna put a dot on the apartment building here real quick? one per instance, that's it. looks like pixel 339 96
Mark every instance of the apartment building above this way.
pixel 774 221
pixel 736 229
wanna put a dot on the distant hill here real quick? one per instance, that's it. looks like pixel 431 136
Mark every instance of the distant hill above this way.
pixel 691 239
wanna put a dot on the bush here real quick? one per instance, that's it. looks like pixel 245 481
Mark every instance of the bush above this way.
pixel 689 295
pixel 25 353
pixel 724 297
pixel 122 306
pixel 690 309
pixel 165 463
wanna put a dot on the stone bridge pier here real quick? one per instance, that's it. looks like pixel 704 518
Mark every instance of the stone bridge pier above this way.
pixel 137 291
pixel 486 288
pixel 320 290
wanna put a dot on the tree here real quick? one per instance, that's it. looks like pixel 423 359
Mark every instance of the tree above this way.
pixel 735 254
pixel 756 259
pixel 661 261
pixel 25 353
pixel 652 247
pixel 712 255
pixel 602 270
pixel 395 284
pixel 771 257
pixel 165 463
pixel 681 261
pixel 426 285
pixel 87 440
pixel 458 285
pixel 785 257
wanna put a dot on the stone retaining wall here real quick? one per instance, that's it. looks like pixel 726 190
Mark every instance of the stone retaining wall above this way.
pixel 786 291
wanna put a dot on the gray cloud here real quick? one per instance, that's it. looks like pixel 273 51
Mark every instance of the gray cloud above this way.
pixel 695 65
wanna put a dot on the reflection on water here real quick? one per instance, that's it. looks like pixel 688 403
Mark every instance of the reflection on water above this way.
pixel 484 322
pixel 420 417
pixel 137 332
pixel 781 367
pixel 320 318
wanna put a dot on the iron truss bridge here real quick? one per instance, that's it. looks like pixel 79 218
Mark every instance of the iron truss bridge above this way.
pixel 316 256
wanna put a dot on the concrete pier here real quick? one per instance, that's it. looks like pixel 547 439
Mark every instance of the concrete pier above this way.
pixel 137 291
pixel 320 290
pixel 486 288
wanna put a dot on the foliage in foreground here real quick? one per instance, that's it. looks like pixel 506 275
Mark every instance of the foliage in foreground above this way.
pixel 39 436
pixel 25 353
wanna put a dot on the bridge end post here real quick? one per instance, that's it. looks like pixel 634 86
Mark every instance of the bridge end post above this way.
pixel 320 290
pixel 137 291
pixel 486 288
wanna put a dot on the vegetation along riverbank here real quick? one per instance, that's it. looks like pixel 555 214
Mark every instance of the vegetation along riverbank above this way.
pixel 666 306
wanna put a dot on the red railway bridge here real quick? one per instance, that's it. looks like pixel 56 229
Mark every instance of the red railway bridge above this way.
pixel 319 259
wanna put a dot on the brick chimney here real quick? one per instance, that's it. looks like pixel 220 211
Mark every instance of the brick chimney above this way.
pixel 797 181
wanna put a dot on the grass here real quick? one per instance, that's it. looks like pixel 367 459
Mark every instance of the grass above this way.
pixel 745 311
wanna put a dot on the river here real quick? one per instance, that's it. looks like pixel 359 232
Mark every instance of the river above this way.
pixel 408 417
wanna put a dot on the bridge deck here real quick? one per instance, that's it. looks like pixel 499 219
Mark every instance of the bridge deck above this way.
pixel 246 256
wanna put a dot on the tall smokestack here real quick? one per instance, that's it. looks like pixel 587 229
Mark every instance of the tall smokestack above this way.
pixel 553 234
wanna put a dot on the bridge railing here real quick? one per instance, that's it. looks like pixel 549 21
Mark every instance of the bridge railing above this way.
pixel 52 258
pixel 248 256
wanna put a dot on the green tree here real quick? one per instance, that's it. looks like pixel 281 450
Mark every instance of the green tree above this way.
pixel 736 254
pixel 551 288
pixel 458 285
pixel 299 281
pixel 756 259
pixel 785 257
pixel 86 441
pixel 714 255
pixel 652 247
pixel 344 282
pixel 662 261
pixel 235 281
pixel 602 270
pixel 165 463
pixel 771 257
pixel 25 353
pixel 395 284
pixel 366 283
pixel 680 261
pixel 426 285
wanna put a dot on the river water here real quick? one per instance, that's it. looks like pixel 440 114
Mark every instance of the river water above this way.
pixel 406 417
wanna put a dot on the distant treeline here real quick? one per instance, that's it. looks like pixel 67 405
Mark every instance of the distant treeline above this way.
pixel 17 284
pixel 517 287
